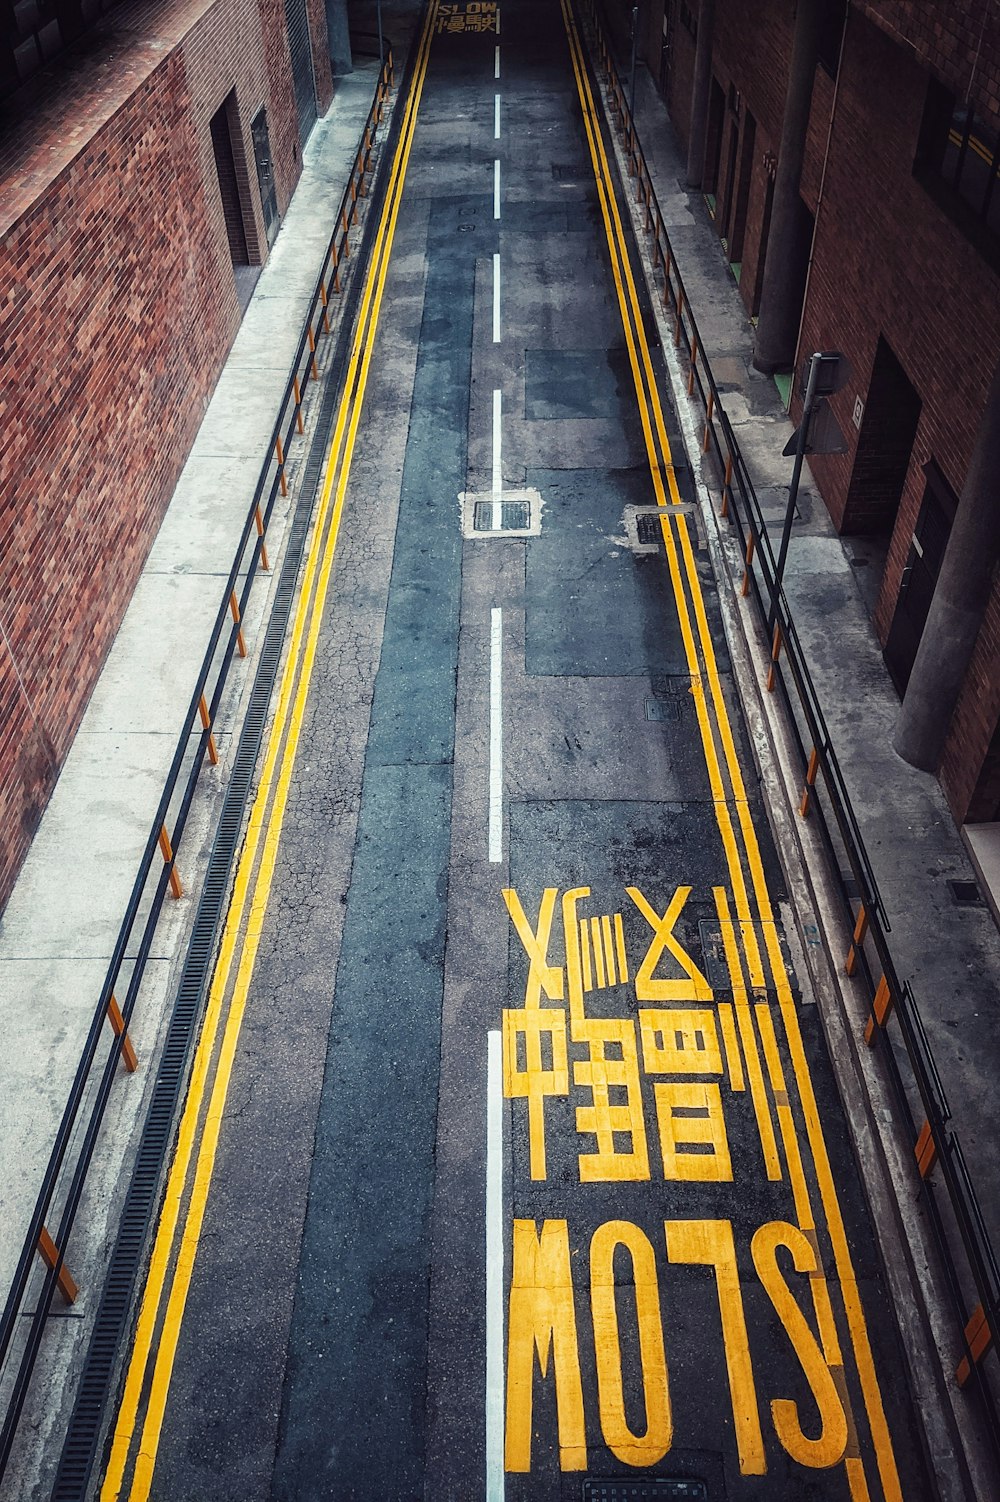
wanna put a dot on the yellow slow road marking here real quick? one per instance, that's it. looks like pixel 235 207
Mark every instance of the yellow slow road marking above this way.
pixel 720 724
pixel 310 609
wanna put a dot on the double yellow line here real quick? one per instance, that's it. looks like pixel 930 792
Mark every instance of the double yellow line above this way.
pixel 743 856
pixel 172 1263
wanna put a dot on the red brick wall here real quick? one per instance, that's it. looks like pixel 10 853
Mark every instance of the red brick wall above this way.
pixel 752 51
pixel 887 260
pixel 322 72
pixel 681 82
pixel 121 310
pixel 959 40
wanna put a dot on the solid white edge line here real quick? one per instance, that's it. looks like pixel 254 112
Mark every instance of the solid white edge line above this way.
pixel 496 188
pixel 496 61
pixel 496 297
pixel 494 1270
pixel 496 737
pixel 497 485
pixel 496 117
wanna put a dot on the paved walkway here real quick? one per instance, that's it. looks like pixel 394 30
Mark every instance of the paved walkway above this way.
pixel 949 953
pixel 58 931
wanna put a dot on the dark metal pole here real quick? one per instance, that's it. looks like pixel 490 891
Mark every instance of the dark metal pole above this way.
pixel 635 45
pixel 793 489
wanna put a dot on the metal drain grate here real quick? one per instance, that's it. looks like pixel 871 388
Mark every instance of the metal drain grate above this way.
pixel 658 1490
pixel 966 893
pixel 647 526
pixel 514 516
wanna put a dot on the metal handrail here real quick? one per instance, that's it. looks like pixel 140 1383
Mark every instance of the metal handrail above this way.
pixel 869 956
pixel 152 880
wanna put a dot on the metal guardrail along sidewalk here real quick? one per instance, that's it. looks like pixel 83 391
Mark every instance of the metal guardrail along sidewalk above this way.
pixel 893 1027
pixel 76 1140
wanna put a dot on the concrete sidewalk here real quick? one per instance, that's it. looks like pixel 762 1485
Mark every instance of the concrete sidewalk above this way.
pixel 60 925
pixel 948 952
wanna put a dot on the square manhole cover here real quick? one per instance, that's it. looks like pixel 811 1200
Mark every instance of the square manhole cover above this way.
pixel 501 516
pixel 659 1489
pixel 662 709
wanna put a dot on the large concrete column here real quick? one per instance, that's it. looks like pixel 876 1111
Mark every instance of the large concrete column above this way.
pixel 701 93
pixel 787 254
pixel 339 37
pixel 960 599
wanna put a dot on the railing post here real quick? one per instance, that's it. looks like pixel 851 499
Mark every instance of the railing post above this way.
pixel 234 608
pixel 881 1007
pixel 925 1151
pixel 279 449
pixel 129 1057
pixel 49 1253
pixel 298 404
pixel 775 652
pixel 206 724
pixel 692 362
pixel 312 351
pixel 264 562
pixel 709 409
pixel 667 289
pixel 860 929
pixel 811 771
pixel 166 850
pixel 979 1339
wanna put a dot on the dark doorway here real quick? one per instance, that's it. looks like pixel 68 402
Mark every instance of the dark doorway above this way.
pixel 892 411
pixel 729 194
pixel 229 191
pixel 300 48
pixel 265 175
pixel 920 575
pixel 741 199
pixel 713 141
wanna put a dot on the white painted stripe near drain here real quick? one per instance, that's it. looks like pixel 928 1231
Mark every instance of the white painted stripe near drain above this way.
pixel 496 736
pixel 497 458
pixel 496 297
pixel 496 117
pixel 494 1270
pixel 496 188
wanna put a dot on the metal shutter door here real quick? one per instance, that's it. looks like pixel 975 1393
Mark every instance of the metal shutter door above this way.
pixel 302 72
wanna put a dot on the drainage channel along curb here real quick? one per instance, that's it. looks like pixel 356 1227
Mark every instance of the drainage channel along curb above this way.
pixel 958 1455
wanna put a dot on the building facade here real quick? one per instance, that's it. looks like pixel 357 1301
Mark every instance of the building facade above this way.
pixel 148 151
pixel 847 150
